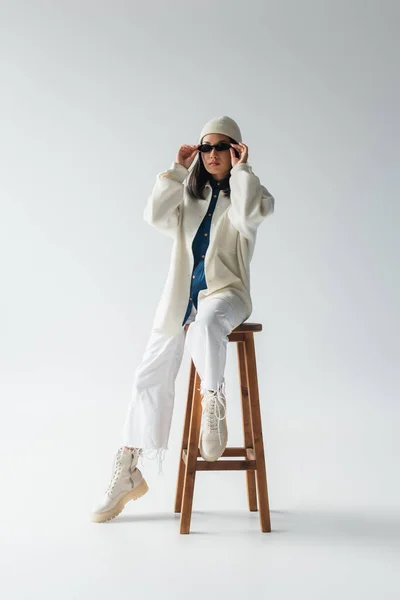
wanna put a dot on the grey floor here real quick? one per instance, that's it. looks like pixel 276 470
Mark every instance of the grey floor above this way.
pixel 52 550
pixel 335 529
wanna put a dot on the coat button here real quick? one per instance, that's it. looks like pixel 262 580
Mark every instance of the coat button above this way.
pixel 206 234
pixel 190 298
pixel 193 276
pixel 203 255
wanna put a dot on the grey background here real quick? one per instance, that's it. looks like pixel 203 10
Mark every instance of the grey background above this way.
pixel 96 98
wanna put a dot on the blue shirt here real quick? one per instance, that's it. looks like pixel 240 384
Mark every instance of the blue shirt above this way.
pixel 200 245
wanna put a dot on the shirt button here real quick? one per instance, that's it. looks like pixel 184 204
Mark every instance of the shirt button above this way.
pixel 209 214
pixel 193 276
pixel 215 195
pixel 206 234
pixel 203 255
pixel 190 298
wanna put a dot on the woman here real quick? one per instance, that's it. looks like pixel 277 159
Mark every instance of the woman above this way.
pixel 212 214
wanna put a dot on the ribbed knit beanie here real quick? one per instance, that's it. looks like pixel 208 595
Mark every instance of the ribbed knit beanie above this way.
pixel 224 125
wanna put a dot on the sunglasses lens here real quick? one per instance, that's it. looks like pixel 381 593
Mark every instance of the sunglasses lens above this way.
pixel 222 146
pixel 219 147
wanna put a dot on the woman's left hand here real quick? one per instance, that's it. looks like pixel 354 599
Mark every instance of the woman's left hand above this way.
pixel 243 152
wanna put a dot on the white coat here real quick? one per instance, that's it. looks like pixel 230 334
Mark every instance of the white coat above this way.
pixel 232 239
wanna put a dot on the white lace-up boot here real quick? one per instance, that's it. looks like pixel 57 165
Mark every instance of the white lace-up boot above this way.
pixel 214 430
pixel 127 483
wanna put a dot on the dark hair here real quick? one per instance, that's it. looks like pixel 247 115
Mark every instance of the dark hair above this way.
pixel 199 176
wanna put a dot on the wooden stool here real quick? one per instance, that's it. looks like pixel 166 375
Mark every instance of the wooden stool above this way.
pixel 253 459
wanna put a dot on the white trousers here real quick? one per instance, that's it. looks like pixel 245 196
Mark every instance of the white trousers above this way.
pixel 148 420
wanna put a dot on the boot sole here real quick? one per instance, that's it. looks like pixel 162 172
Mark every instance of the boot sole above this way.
pixel 134 494
pixel 211 458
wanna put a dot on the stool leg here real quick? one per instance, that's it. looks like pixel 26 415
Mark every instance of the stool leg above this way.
pixel 191 458
pixel 185 439
pixel 262 488
pixel 248 437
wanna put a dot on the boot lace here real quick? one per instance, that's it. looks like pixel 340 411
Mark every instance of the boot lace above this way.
pixel 213 409
pixel 116 470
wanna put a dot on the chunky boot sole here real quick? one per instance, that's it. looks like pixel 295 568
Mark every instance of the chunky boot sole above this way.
pixel 134 494
pixel 210 458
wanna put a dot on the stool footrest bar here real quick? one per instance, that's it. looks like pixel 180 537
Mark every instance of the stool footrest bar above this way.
pixel 248 464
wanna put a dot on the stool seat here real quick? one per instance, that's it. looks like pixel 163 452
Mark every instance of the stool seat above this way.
pixel 242 328
pixel 249 458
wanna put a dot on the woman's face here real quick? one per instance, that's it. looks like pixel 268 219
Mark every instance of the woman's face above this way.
pixel 217 163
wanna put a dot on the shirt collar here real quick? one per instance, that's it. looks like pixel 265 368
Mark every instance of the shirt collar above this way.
pixel 219 184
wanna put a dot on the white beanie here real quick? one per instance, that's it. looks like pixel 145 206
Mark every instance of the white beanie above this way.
pixel 224 125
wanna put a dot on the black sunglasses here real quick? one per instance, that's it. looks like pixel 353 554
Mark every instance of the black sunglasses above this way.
pixel 219 146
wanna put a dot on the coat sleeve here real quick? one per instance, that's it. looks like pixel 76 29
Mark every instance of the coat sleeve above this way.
pixel 251 202
pixel 163 208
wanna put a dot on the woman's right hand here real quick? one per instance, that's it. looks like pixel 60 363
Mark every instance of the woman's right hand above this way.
pixel 187 154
